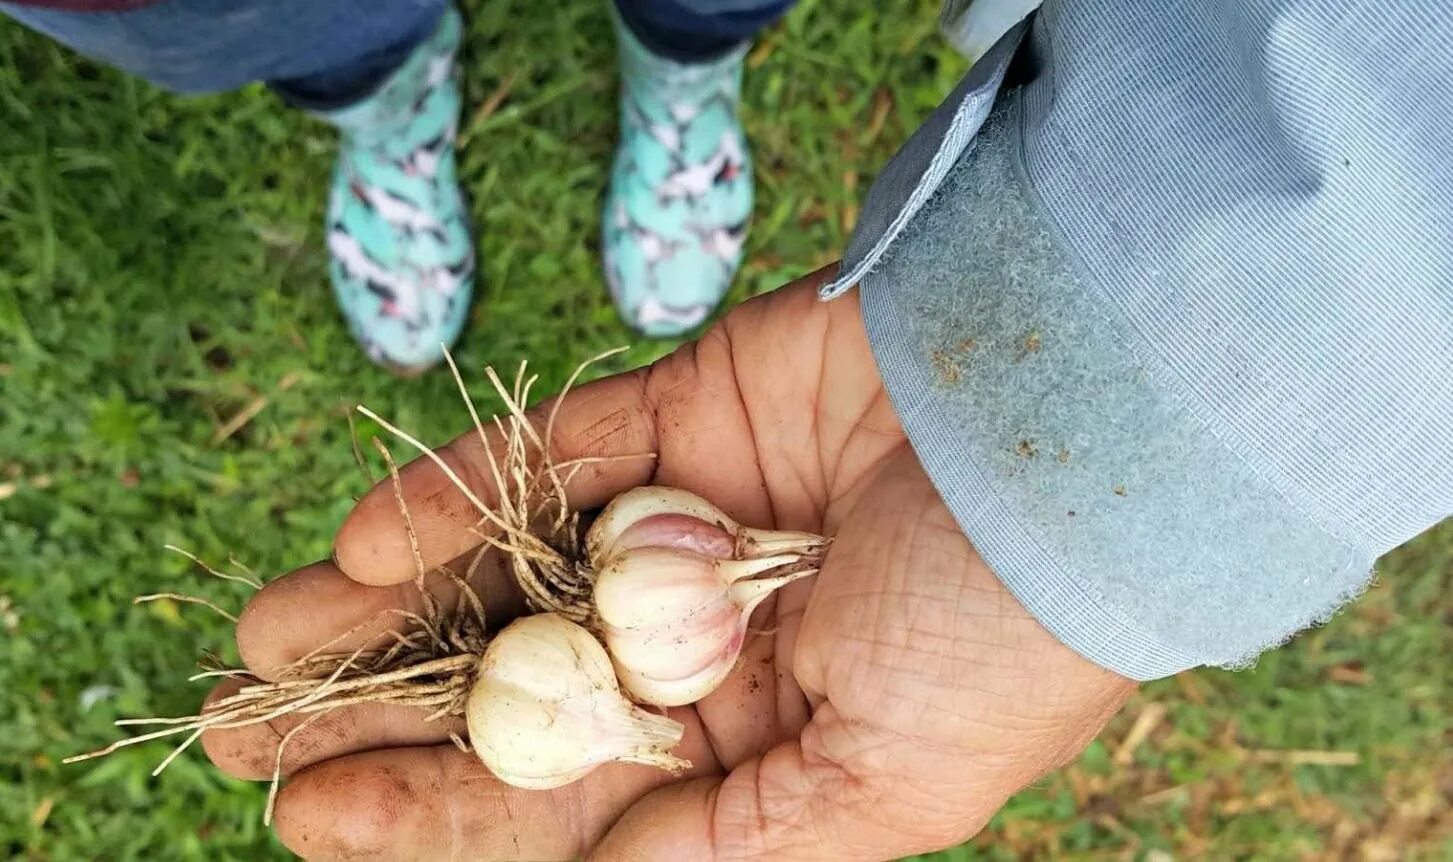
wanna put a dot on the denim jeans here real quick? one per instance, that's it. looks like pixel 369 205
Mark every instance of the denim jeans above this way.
pixel 325 54
pixel 688 30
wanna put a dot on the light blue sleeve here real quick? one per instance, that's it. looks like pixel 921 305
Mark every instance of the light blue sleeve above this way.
pixel 1170 326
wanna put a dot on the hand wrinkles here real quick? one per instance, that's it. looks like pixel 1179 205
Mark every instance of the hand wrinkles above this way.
pixel 595 439
pixel 878 773
pixel 450 802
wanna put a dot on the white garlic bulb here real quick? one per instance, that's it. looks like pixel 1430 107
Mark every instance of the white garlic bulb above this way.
pixel 546 708
pixel 676 620
pixel 676 583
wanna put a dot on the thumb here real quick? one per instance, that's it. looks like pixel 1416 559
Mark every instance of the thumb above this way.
pixel 849 789
pixel 834 795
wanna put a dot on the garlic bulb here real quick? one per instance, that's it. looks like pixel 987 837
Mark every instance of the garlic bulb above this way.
pixel 675 620
pixel 546 708
pixel 676 583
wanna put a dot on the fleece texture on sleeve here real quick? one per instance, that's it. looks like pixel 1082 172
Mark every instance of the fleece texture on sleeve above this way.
pixel 1100 500
pixel 1173 337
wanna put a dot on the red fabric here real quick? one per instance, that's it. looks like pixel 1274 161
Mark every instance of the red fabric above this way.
pixel 87 5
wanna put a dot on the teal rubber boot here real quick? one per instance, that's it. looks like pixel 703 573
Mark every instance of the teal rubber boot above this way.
pixel 680 190
pixel 398 233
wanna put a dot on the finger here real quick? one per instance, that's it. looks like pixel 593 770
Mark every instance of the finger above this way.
pixel 710 449
pixel 729 439
pixel 318 608
pixel 834 795
pixel 605 419
pixel 252 752
pixel 848 791
pixel 442 803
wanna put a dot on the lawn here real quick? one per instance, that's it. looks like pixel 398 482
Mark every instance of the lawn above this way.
pixel 172 371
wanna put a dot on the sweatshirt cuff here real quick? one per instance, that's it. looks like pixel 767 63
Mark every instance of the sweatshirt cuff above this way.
pixel 1115 512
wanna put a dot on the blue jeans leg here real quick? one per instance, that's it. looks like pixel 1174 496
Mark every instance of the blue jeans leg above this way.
pixel 319 54
pixel 698 30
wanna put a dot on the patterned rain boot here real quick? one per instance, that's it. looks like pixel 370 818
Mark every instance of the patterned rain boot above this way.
pixel 680 190
pixel 402 256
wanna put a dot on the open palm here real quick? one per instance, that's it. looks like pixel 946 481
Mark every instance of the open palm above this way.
pixel 888 706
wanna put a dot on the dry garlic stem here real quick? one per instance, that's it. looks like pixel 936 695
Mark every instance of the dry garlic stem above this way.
pixel 546 708
pixel 676 583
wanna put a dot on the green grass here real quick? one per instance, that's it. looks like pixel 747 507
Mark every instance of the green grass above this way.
pixel 161 270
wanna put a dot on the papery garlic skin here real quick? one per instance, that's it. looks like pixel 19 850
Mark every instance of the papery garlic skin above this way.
pixel 657 516
pixel 546 708
pixel 675 620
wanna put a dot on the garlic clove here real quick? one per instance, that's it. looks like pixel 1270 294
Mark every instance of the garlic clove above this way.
pixel 673 665
pixel 684 532
pixel 647 501
pixel 546 708
pixel 650 586
pixel 677 692
pixel 678 649
pixel 657 516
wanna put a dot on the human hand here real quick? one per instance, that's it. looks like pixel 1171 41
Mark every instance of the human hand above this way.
pixel 891 706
